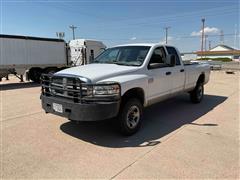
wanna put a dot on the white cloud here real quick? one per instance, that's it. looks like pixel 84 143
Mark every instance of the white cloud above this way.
pixel 133 38
pixel 207 30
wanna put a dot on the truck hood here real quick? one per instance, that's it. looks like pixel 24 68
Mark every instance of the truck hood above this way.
pixel 98 72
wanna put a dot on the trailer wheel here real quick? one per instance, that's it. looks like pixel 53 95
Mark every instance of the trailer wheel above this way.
pixel 50 70
pixel 35 74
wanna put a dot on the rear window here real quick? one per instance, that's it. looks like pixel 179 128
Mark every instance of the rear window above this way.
pixel 173 51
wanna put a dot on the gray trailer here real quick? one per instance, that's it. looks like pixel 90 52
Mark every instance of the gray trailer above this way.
pixel 31 55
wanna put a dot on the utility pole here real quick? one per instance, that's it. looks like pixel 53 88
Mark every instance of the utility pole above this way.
pixel 206 37
pixel 209 45
pixel 203 26
pixel 221 37
pixel 60 35
pixel 235 37
pixel 166 33
pixel 73 30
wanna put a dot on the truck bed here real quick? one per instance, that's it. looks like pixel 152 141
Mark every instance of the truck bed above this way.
pixel 188 63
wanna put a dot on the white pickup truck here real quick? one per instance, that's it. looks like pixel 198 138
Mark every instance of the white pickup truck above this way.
pixel 120 83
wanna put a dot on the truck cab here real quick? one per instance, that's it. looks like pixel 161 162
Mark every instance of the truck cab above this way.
pixel 121 82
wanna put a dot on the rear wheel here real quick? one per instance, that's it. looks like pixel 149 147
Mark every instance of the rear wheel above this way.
pixel 197 94
pixel 130 117
pixel 35 74
pixel 51 70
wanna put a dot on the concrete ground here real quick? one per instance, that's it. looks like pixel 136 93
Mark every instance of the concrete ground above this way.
pixel 178 139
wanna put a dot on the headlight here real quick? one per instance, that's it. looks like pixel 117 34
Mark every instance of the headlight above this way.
pixel 106 89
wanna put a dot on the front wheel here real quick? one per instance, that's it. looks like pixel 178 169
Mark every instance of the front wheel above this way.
pixel 196 95
pixel 130 117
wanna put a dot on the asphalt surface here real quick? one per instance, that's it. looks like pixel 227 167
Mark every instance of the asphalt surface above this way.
pixel 178 139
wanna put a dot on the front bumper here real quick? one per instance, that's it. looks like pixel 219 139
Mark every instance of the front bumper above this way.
pixel 93 111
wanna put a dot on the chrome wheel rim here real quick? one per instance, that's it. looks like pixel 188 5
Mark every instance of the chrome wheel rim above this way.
pixel 133 117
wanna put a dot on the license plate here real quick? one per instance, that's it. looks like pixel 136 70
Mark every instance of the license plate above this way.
pixel 57 107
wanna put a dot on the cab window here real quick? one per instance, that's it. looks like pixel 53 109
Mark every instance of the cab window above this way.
pixel 158 59
pixel 173 51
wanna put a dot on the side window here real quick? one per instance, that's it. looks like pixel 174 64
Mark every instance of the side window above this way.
pixel 173 51
pixel 91 55
pixel 158 58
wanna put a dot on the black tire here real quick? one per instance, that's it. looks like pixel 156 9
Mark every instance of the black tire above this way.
pixel 197 94
pixel 35 74
pixel 73 121
pixel 50 70
pixel 130 117
pixel 31 75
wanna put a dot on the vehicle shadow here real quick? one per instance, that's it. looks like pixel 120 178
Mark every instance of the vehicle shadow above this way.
pixel 159 120
pixel 11 86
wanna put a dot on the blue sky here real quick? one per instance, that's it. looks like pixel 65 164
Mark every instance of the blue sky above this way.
pixel 117 22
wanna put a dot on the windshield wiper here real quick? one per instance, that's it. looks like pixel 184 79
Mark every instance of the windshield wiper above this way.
pixel 122 63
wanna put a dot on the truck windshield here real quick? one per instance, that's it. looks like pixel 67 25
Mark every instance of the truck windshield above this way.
pixel 124 55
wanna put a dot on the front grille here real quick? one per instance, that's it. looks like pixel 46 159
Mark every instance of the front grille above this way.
pixel 72 88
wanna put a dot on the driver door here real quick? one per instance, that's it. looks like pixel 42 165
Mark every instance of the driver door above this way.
pixel 160 78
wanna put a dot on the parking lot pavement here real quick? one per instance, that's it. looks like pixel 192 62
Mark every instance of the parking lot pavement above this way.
pixel 178 139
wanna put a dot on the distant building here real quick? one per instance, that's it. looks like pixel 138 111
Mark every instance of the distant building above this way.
pixel 220 51
pixel 186 56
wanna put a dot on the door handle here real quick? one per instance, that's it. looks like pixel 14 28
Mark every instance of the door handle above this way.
pixel 168 73
pixel 182 70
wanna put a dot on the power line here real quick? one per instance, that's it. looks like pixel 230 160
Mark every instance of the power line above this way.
pixel 156 38
pixel 147 20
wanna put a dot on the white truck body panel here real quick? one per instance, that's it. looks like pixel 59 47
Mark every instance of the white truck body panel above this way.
pixel 98 72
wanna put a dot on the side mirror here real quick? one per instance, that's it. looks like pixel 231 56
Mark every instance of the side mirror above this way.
pixel 172 60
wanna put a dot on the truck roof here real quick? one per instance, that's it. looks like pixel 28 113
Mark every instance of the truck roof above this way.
pixel 140 44
pixel 30 38
pixel 84 41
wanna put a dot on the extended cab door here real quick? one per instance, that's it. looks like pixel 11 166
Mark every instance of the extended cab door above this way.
pixel 178 72
pixel 160 77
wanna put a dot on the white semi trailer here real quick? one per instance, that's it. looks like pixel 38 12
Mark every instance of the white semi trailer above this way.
pixel 34 55
pixel 83 51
